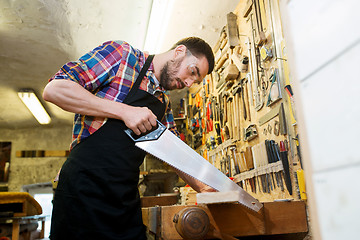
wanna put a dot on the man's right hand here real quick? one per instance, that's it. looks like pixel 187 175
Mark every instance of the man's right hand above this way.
pixel 138 119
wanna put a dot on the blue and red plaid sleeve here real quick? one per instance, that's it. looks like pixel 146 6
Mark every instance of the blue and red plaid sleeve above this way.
pixel 97 67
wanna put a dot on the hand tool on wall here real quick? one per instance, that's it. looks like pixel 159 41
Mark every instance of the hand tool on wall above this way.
pixel 236 108
pixel 249 75
pixel 194 125
pixel 236 162
pixel 259 33
pixel 197 140
pixel 251 184
pixel 214 111
pixel 231 72
pixel 246 96
pixel 259 102
pixel 268 151
pixel 269 115
pixel 268 182
pixel 222 165
pixel 220 40
pixel 253 180
pixel 243 166
pixel 274 91
pixel 265 53
pixel 250 133
pixel 282 120
pixel 273 149
pixel 263 183
pixel 221 109
pixel 247 8
pixel 241 63
pixel 249 158
pixel 239 161
pixel 230 122
pixel 276 153
pixel 218 133
pixel 244 64
pixel 290 93
pixel 263 154
pixel 233 113
pixel 242 83
pixel 209 118
pixel 232 30
pixel 231 165
pixel 301 184
pixel 221 82
pixel 224 96
pixel 221 61
pixel 281 181
pixel 255 155
pixel 276 150
pixel 297 142
pixel 263 14
pixel 284 160
pixel 223 45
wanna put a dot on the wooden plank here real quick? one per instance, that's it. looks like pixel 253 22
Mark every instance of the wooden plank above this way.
pixel 237 220
pixel 18 154
pixel 218 197
pixel 158 201
pixel 56 153
pixel 15 230
pixel 41 153
pixel 288 216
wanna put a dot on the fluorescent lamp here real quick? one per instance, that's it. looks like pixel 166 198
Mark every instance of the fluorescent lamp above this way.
pixel 158 22
pixel 34 105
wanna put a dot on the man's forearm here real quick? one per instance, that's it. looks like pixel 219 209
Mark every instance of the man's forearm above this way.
pixel 72 97
pixel 194 183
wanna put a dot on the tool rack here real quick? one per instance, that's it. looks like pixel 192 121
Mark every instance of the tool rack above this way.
pixel 242 117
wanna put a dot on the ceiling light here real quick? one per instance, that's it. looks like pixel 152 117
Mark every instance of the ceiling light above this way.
pixel 34 105
pixel 158 22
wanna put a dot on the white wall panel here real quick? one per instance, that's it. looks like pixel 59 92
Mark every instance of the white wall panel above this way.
pixel 332 112
pixel 321 30
pixel 325 42
pixel 337 197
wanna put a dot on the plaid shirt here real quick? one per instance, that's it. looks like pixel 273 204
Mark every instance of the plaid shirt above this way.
pixel 109 71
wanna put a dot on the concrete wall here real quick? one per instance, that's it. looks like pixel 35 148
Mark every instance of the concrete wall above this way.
pixel 324 41
pixel 25 171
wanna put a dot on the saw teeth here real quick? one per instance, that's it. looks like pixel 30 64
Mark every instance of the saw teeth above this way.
pixel 253 203
pixel 183 172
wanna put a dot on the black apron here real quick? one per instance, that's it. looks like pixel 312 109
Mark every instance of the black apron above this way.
pixel 97 195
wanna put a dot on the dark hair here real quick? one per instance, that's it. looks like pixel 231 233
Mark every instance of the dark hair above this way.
pixel 197 47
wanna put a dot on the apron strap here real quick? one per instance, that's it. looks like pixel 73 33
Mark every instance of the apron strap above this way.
pixel 142 73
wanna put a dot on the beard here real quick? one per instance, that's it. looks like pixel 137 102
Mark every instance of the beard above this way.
pixel 168 79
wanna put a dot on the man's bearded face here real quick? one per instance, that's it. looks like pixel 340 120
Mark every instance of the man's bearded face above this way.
pixel 168 75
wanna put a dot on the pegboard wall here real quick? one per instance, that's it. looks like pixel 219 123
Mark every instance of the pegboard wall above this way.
pixel 242 117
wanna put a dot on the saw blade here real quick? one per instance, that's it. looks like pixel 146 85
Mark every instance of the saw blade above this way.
pixel 172 150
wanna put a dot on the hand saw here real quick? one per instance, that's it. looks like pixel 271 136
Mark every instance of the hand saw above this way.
pixel 166 146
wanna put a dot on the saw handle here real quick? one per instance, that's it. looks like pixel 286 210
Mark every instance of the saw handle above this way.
pixel 153 134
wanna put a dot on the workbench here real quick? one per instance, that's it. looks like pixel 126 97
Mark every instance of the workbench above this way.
pixel 19 210
pixel 283 220
pixel 17 221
